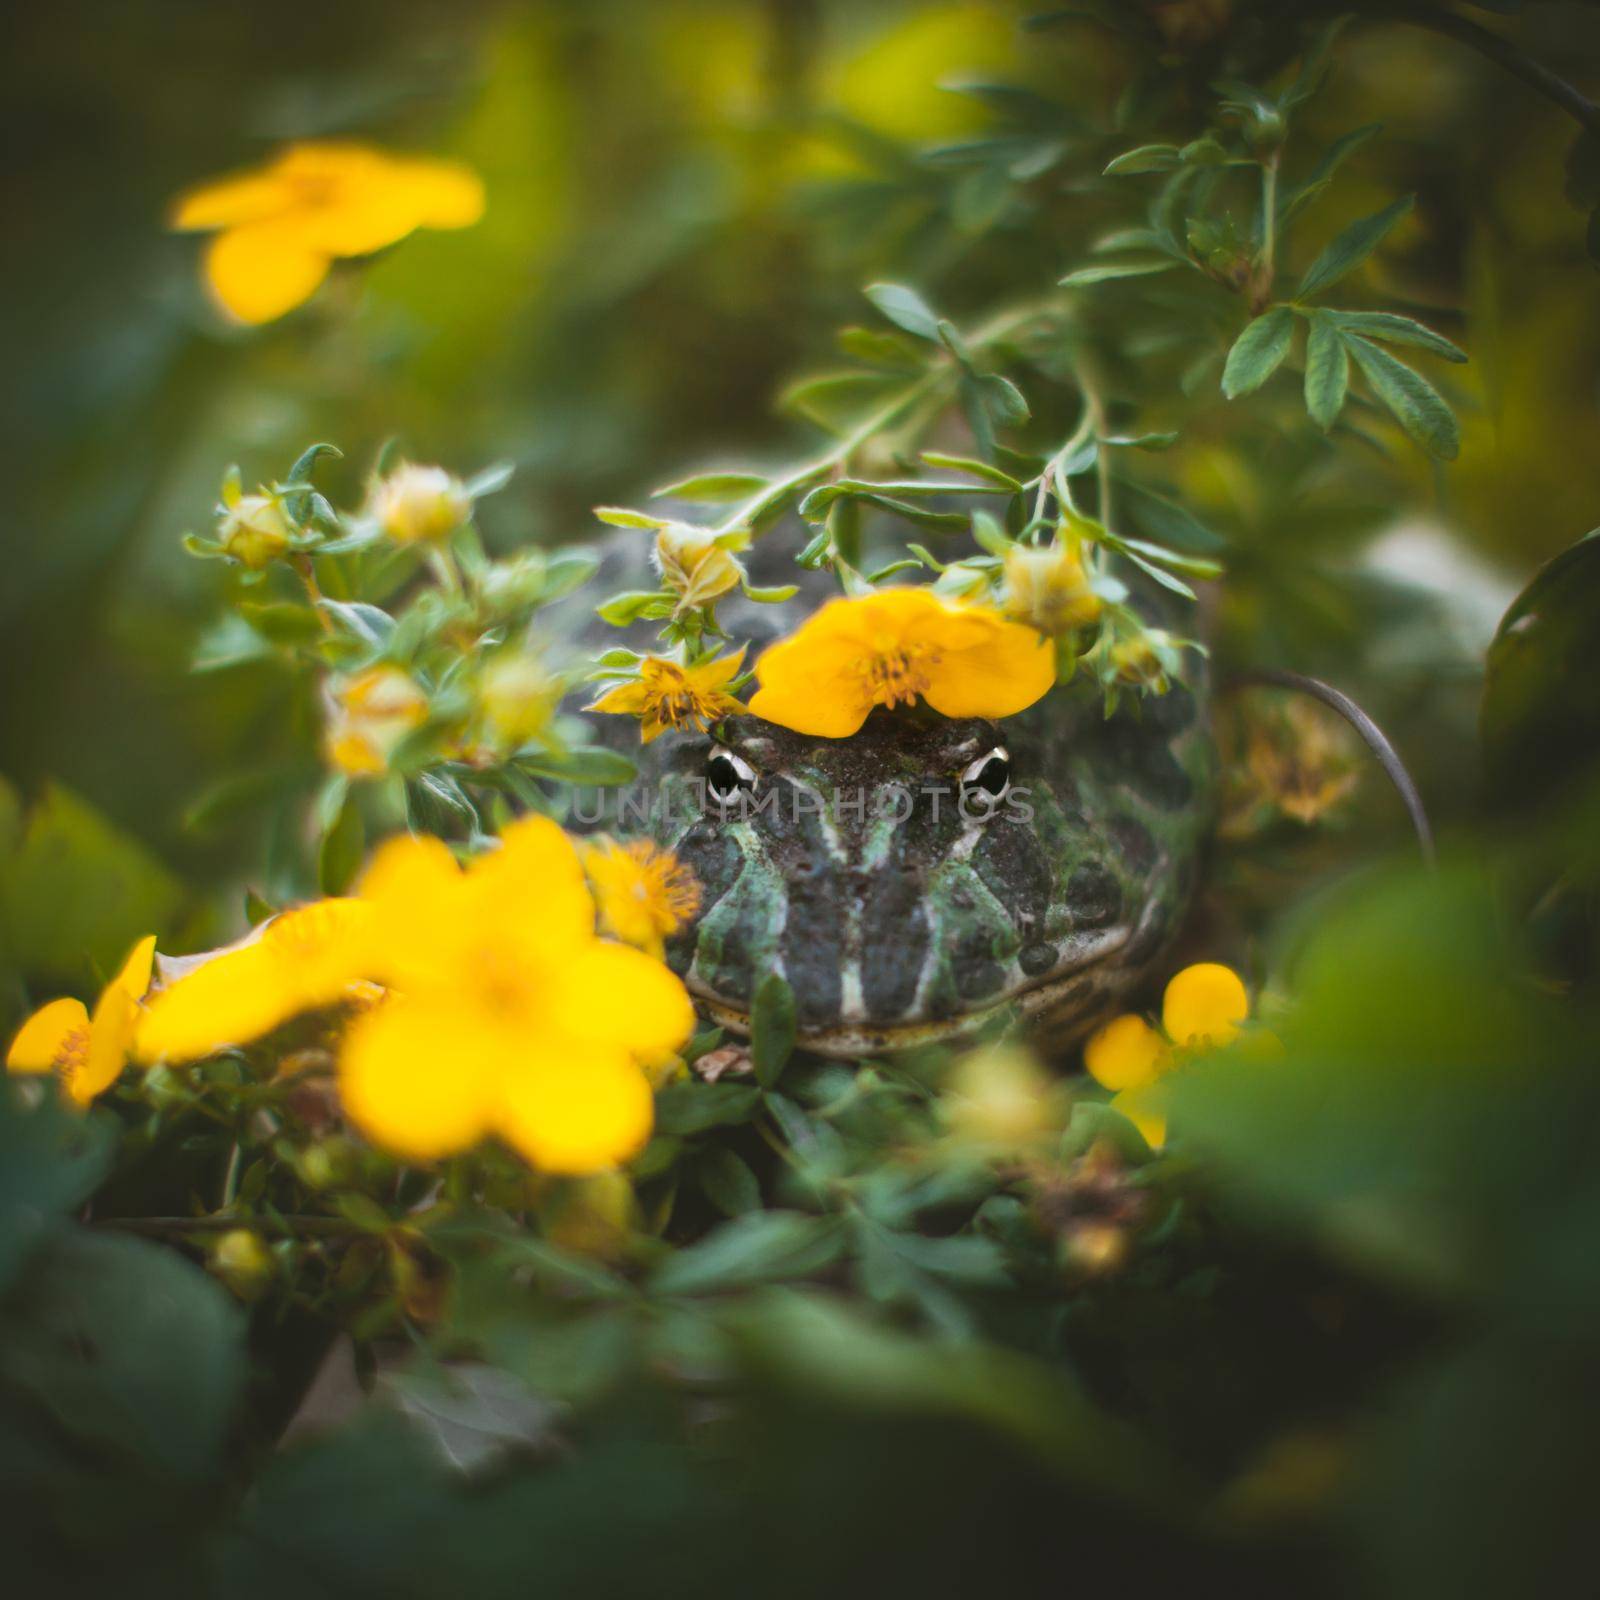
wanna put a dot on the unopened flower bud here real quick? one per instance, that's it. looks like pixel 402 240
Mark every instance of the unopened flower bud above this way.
pixel 1049 589
pixel 517 698
pixel 254 530
pixel 1138 663
pixel 416 504
pixel 694 563
pixel 243 1262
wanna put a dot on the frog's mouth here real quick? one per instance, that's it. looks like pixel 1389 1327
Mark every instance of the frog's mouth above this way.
pixel 1074 999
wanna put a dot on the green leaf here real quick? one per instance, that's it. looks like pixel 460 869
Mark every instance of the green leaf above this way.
pixel 1322 174
pixel 281 621
pixel 773 595
pixel 712 488
pixel 762 1247
pixel 622 517
pixel 905 308
pixel 623 609
pixel 491 480
pixel 370 624
pixel 1258 352
pixel 990 535
pixel 978 469
pixel 343 845
pixel 1419 407
pixel 1102 271
pixel 1146 158
pixel 128 1349
pixel 363 1212
pixel 300 472
pixel 694 1107
pixel 727 1182
pixel 51 1160
pixel 1350 248
pixel 772 1029
pixel 1327 370
pixel 585 764
pixel 77 888
pixel 1394 329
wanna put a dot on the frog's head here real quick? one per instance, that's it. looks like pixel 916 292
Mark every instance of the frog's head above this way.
pixel 912 879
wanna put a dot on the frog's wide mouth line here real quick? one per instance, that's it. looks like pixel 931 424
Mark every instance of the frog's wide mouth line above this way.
pixel 845 1039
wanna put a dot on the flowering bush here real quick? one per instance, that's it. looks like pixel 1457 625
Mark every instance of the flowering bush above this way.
pixel 378 1212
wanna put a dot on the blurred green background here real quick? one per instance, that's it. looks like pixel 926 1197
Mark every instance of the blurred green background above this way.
pixel 684 200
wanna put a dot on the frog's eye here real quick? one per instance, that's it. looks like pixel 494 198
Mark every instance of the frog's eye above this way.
pixel 728 775
pixel 985 781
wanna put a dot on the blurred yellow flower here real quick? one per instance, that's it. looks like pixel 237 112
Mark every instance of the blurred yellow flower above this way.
pixel 281 225
pixel 891 647
pixel 667 695
pixel 517 698
pixel 86 1051
pixel 507 1015
pixel 298 961
pixel 414 505
pixel 1000 1096
pixel 1203 1008
pixel 1048 588
pixel 372 712
pixel 644 895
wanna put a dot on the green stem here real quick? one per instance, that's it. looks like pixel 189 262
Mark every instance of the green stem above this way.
pixel 839 453
pixel 1267 262
pixel 290 1226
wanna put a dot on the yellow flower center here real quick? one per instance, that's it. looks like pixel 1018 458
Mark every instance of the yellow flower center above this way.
pixel 898 674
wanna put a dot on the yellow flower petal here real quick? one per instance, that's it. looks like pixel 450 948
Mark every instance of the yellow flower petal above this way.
pixel 532 889
pixel 1145 1107
pixel 622 998
pixel 48 1035
pixel 443 194
pixel 111 1032
pixel 1125 1054
pixel 997 676
pixel 575 1108
pixel 227 202
pixel 133 977
pixel 1204 1005
pixel 299 961
pixel 420 1077
pixel 894 646
pixel 260 270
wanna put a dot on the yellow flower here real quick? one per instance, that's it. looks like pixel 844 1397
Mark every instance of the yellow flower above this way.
pixel 283 224
pixel 415 504
pixel 892 647
pixel 372 712
pixel 300 960
pixel 667 695
pixel 1048 588
pixel 697 565
pixel 507 1014
pixel 1001 1096
pixel 644 895
pixel 253 528
pixel 1203 1008
pixel 86 1052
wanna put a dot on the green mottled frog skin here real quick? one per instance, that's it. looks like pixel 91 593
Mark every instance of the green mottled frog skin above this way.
pixel 900 916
